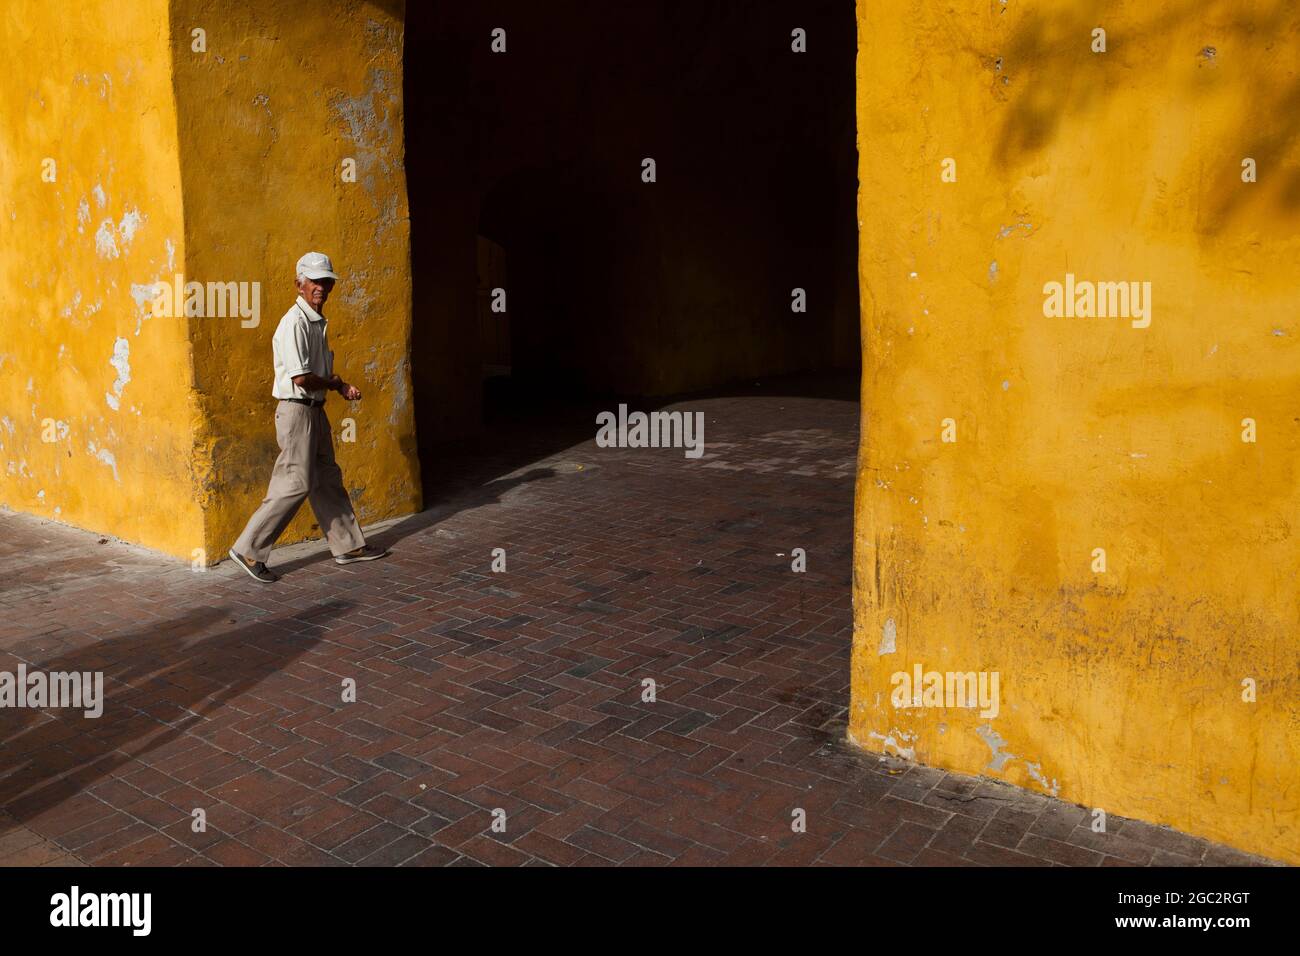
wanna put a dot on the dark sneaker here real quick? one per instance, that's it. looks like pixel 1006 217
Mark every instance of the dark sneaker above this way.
pixel 367 553
pixel 256 569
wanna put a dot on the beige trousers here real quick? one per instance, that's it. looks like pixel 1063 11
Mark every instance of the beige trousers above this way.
pixel 305 469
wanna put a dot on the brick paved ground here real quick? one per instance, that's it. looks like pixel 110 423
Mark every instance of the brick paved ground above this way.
pixel 520 691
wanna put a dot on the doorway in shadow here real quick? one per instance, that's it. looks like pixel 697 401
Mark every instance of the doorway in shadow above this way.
pixel 618 203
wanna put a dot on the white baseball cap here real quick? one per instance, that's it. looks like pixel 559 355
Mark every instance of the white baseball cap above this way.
pixel 316 265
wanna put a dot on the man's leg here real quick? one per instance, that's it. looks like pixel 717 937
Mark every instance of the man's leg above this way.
pixel 329 499
pixel 290 482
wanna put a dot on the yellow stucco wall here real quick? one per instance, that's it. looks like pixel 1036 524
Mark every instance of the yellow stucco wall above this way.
pixel 1120 690
pixel 88 86
pixel 268 112
pixel 218 165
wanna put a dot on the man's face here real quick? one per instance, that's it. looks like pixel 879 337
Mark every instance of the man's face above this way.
pixel 315 291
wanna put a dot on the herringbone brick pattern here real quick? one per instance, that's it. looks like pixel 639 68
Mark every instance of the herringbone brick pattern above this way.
pixel 514 696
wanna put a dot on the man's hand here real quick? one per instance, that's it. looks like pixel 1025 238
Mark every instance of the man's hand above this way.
pixel 350 392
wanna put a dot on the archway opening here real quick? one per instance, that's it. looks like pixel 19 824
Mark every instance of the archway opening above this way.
pixel 673 191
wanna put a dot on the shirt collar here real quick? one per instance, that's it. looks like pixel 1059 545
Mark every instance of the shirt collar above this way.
pixel 311 313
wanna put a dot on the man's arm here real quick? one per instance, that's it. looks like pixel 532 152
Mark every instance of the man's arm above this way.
pixel 311 382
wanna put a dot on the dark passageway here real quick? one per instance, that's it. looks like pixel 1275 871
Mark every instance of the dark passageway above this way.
pixel 525 167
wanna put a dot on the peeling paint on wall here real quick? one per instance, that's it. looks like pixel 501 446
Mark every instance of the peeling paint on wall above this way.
pixel 130 222
pixel 891 741
pixel 995 744
pixel 106 240
pixel 1036 772
pixel 104 455
pixel 888 638
pixel 107 236
pixel 121 362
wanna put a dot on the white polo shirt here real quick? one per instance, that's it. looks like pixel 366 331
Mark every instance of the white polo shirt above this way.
pixel 300 346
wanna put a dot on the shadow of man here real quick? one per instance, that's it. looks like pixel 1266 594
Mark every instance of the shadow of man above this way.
pixel 157 688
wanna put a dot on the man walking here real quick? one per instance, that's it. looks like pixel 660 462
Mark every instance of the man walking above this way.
pixel 304 369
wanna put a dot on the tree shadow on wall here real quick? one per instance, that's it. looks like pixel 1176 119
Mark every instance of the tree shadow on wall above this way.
pixel 1049 73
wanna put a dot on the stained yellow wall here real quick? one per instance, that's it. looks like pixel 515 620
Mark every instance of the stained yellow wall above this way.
pixel 221 166
pixel 88 85
pixel 267 114
pixel 1119 690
